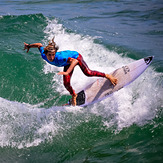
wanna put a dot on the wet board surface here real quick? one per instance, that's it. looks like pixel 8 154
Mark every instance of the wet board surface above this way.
pixel 102 87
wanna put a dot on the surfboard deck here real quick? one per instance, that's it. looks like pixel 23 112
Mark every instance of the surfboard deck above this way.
pixel 103 88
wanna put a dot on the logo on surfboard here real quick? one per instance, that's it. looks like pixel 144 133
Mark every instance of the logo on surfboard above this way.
pixel 126 69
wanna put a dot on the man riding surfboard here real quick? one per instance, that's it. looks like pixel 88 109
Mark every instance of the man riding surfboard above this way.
pixel 67 59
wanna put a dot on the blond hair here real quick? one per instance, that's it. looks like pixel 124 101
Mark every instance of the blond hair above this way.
pixel 51 47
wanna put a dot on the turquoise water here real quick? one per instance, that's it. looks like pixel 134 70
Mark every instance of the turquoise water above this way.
pixel 34 127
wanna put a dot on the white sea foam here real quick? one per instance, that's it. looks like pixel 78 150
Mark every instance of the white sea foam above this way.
pixel 22 125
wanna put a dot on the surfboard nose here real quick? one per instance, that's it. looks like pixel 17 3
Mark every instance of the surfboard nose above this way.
pixel 148 60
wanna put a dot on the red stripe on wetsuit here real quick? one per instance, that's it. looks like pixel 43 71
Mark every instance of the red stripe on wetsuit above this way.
pixel 85 69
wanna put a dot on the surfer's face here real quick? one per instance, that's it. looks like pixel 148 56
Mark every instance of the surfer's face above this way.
pixel 50 56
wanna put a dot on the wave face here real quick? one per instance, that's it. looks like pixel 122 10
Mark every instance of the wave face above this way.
pixel 34 127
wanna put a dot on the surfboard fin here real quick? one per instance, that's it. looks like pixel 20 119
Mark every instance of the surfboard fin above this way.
pixel 80 98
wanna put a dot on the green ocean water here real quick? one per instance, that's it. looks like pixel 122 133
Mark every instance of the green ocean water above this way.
pixel 34 127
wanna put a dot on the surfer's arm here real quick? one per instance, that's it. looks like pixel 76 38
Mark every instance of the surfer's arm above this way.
pixel 73 62
pixel 35 45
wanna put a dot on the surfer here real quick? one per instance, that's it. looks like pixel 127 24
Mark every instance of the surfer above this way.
pixel 67 59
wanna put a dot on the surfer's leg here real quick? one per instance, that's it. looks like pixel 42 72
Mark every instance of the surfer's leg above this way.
pixel 66 81
pixel 84 67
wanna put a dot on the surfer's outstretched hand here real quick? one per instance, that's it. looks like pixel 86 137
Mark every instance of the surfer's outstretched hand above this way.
pixel 26 46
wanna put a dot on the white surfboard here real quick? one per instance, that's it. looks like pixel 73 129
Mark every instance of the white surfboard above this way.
pixel 102 87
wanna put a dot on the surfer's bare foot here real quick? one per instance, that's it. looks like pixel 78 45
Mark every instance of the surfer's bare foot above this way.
pixel 74 99
pixel 113 80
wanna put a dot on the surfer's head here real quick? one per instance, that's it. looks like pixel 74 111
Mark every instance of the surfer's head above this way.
pixel 50 50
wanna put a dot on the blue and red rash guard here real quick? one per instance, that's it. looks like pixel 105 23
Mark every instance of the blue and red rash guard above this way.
pixel 61 58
